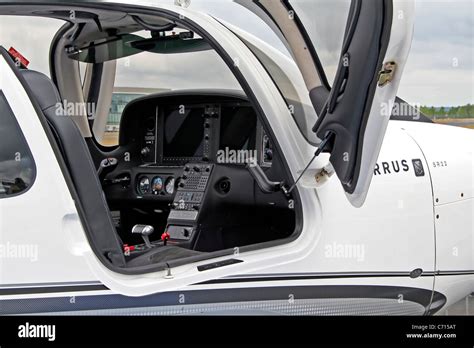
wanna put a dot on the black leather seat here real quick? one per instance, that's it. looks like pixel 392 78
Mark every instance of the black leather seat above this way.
pixel 81 167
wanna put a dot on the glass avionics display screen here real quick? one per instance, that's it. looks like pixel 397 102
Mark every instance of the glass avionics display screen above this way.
pixel 238 128
pixel 183 132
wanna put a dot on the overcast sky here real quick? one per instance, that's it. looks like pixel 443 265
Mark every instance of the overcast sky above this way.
pixel 439 71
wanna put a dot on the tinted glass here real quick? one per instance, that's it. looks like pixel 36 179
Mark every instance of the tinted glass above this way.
pixel 128 45
pixel 183 133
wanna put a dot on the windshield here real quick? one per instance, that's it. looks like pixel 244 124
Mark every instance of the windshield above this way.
pixel 325 26
pixel 324 21
pixel 159 69
pixel 272 53
pixel 289 81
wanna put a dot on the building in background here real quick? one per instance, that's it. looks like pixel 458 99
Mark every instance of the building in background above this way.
pixel 121 97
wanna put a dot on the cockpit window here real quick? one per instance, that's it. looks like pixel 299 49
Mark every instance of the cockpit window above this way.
pixel 32 37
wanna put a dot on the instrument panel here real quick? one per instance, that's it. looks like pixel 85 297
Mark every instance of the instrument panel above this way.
pixel 179 134
pixel 155 185
pixel 165 132
pixel 176 134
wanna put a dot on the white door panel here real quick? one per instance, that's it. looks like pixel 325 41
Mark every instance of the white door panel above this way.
pixel 449 152
pixel 34 220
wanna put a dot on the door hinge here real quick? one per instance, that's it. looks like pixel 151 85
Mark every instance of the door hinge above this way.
pixel 387 73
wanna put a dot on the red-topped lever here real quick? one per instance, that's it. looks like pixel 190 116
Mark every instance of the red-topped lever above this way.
pixel 165 237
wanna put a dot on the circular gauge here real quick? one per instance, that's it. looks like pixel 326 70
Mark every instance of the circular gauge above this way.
pixel 144 185
pixel 169 186
pixel 157 185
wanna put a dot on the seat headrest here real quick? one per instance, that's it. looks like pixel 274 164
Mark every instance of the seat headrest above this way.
pixel 43 89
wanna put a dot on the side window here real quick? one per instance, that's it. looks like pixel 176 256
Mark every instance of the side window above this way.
pixel 325 21
pixel 17 168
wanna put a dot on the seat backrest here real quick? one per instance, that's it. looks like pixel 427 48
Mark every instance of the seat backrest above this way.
pixel 81 167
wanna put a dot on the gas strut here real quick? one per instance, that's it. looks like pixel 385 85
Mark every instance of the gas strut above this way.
pixel 320 149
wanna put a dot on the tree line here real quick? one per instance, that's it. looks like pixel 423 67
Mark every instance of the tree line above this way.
pixel 465 111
